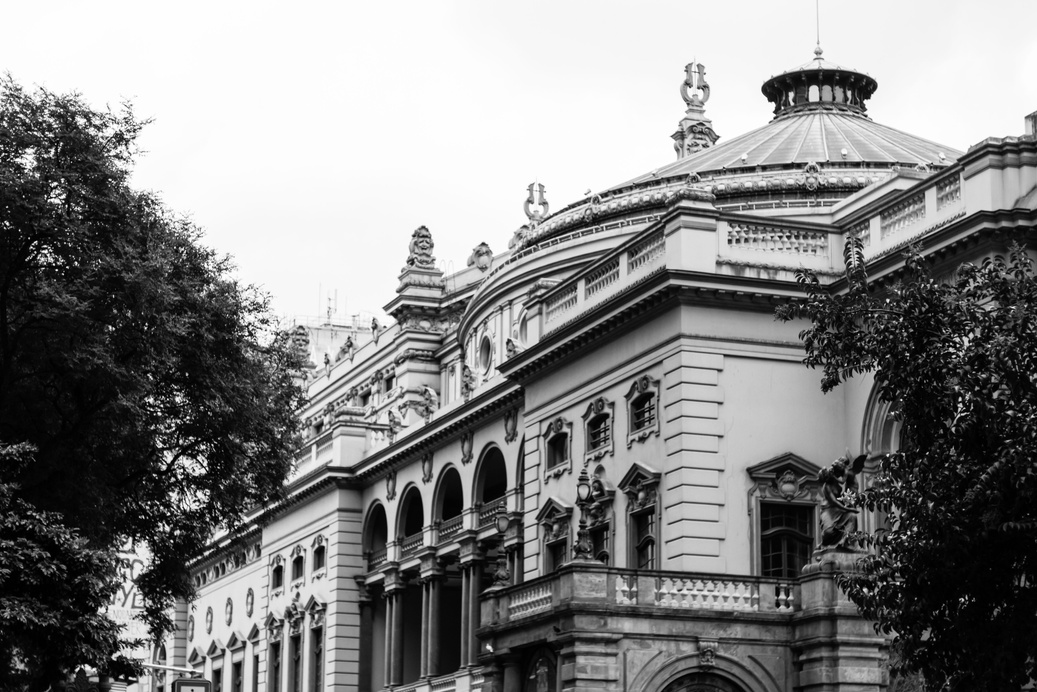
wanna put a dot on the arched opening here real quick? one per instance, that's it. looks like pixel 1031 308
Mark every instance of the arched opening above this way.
pixel 449 496
pixel 492 478
pixel 702 682
pixel 412 513
pixel 376 535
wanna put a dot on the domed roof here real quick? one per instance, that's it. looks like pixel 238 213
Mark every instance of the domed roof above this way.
pixel 820 117
pixel 811 136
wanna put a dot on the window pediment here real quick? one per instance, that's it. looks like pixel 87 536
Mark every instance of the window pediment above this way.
pixel 640 484
pixel 787 476
pixel 215 649
pixel 555 517
pixel 557 446
pixel 236 641
pixel 197 656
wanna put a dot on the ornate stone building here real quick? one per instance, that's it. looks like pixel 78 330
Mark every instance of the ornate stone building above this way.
pixel 589 462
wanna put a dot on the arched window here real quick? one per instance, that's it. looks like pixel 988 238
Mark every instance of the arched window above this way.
pixel 277 573
pixel 376 537
pixel 449 505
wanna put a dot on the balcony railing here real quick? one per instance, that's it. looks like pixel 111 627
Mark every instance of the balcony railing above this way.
pixel 411 544
pixel 376 558
pixel 488 512
pixel 661 591
pixel 449 527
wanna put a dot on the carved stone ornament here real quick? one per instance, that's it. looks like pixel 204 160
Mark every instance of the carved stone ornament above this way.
pixel 708 655
pixel 228 611
pixel 468 382
pixel 297 551
pixel 390 486
pixel 426 468
pixel 190 627
pixel 481 257
pixel 537 198
pixel 510 426
pixel 421 246
pixel 250 602
pixel 208 620
pixel 467 439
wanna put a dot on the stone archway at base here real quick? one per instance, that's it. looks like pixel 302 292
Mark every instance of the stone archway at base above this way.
pixel 702 682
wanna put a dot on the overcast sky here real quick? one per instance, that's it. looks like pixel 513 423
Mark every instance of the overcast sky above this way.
pixel 310 139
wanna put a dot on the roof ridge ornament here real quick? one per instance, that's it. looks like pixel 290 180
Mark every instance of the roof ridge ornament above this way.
pixel 695 131
pixel 535 216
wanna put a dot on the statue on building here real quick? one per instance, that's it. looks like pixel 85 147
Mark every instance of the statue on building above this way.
pixel 838 485
pixel 421 249
pixel 395 424
pixel 347 350
pixel 430 398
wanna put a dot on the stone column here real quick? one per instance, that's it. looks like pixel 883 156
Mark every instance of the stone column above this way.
pixel 465 589
pixel 425 629
pixel 435 591
pixel 397 638
pixel 366 608
pixel 387 663
pixel 474 591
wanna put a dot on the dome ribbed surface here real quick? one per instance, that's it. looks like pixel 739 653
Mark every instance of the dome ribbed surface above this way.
pixel 817 136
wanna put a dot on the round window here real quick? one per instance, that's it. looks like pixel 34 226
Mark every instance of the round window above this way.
pixel 485 354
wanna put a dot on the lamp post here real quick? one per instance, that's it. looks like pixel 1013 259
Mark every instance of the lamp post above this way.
pixel 502 575
pixel 584 548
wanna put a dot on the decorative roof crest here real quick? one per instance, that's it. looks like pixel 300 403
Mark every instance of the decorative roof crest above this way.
pixel 535 216
pixel 695 131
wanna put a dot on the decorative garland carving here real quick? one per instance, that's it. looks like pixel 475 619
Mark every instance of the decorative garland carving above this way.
pixel 467 438
pixel 510 425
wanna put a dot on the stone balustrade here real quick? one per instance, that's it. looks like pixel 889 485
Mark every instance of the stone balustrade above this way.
pixel 449 527
pixel 489 510
pixel 595 585
pixel 411 544
pixel 614 274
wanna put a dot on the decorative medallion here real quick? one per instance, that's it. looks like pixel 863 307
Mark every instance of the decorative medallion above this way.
pixel 208 620
pixel 250 602
pixel 190 627
pixel 228 611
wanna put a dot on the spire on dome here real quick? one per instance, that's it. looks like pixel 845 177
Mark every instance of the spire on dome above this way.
pixel 695 131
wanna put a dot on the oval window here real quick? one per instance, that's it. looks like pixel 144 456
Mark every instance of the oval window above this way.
pixel 486 354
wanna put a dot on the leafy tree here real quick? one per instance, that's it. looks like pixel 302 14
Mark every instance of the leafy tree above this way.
pixel 156 392
pixel 953 576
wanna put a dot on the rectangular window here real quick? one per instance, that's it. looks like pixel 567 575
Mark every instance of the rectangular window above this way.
pixel 557 554
pixel 643 412
pixel 317 660
pixel 786 538
pixel 297 567
pixel 255 672
pixel 557 450
pixel 643 525
pixel 275 667
pixel 235 676
pixel 318 557
pixel 600 543
pixel 295 664
pixel 217 680
pixel 598 433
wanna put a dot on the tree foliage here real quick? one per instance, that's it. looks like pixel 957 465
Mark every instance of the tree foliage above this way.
pixel 154 389
pixel 953 573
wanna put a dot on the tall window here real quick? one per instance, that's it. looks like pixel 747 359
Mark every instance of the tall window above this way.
pixel 295 663
pixel 317 659
pixel 236 670
pixel 641 485
pixel 319 557
pixel 255 672
pixel 598 433
pixel 277 579
pixel 642 409
pixel 217 679
pixel 643 525
pixel 555 520
pixel 275 667
pixel 600 542
pixel 297 567
pixel 786 538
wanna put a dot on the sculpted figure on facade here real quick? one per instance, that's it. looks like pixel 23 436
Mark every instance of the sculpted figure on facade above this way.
pixel 467 382
pixel 421 249
pixel 838 484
